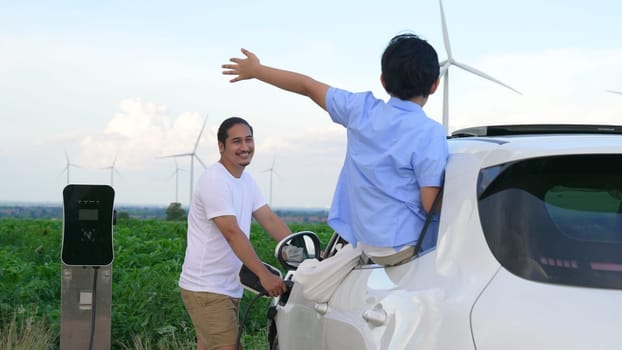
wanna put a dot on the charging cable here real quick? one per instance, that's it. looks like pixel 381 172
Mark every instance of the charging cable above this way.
pixel 93 308
pixel 288 284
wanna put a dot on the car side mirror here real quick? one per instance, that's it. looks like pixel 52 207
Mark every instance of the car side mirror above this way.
pixel 296 248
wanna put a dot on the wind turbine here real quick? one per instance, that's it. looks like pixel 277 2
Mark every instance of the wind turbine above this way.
pixel 615 92
pixel 176 174
pixel 192 156
pixel 112 170
pixel 444 71
pixel 68 166
pixel 272 172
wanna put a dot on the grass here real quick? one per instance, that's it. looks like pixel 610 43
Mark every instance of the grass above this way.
pixel 25 331
pixel 147 312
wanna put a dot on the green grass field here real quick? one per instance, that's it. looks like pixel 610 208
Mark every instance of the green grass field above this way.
pixel 147 312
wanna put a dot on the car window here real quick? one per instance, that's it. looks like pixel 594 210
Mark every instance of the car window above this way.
pixel 556 219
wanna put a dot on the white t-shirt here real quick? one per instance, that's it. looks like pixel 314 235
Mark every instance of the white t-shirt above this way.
pixel 210 265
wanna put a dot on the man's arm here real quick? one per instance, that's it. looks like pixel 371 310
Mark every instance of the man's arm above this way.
pixel 243 249
pixel 271 223
pixel 250 67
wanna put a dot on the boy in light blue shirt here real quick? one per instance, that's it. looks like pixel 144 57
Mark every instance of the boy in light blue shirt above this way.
pixel 396 154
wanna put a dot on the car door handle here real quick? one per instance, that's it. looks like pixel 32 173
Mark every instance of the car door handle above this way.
pixel 321 308
pixel 375 317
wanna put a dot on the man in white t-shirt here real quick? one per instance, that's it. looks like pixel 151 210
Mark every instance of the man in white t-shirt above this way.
pixel 219 222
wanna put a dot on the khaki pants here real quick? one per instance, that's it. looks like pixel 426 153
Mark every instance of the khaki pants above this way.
pixel 214 316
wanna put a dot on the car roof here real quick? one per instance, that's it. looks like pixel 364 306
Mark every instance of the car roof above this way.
pixel 499 144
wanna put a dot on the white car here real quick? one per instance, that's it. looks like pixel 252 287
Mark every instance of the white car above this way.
pixel 528 255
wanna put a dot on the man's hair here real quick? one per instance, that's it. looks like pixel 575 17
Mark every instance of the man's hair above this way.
pixel 223 129
pixel 409 67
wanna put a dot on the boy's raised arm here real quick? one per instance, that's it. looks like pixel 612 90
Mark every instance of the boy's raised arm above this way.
pixel 250 67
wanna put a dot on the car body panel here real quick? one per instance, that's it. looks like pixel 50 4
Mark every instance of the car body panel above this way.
pixel 544 316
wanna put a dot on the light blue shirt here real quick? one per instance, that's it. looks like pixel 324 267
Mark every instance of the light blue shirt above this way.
pixel 393 149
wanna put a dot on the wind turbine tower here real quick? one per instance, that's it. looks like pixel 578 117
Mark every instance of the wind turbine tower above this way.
pixel 192 156
pixel 272 172
pixel 176 174
pixel 112 170
pixel 450 61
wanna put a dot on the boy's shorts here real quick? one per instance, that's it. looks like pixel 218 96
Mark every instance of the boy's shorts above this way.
pixel 214 316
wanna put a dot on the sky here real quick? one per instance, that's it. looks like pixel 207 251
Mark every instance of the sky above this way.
pixel 128 82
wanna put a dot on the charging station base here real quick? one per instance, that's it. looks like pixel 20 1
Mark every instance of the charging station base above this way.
pixel 78 303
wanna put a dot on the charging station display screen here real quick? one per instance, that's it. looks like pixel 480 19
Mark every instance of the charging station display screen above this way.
pixel 88 214
pixel 87 225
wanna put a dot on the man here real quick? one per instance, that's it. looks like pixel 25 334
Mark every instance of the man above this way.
pixel 219 222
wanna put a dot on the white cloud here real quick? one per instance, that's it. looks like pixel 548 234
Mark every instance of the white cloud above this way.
pixel 139 133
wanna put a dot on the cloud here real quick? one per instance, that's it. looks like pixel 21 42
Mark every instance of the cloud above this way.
pixel 138 133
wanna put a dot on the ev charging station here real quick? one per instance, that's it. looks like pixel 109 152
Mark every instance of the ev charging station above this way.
pixel 86 267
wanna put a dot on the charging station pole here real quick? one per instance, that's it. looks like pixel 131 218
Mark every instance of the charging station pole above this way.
pixel 86 267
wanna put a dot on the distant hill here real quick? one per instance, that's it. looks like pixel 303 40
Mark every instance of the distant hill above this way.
pixel 55 211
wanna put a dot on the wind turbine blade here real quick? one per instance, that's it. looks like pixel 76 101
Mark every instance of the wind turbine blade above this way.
pixel 445 32
pixel 615 92
pixel 196 144
pixel 484 75
pixel 176 155
pixel 272 168
pixel 444 67
pixel 200 161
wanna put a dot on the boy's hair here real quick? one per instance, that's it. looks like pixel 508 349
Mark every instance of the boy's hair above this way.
pixel 223 129
pixel 409 67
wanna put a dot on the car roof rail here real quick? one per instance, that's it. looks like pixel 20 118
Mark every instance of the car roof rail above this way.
pixel 526 129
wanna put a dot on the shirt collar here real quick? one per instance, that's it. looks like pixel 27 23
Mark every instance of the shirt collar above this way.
pixel 404 105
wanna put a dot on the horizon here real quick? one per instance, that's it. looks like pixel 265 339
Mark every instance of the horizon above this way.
pixel 9 203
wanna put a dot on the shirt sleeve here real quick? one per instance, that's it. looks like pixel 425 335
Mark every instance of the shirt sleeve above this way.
pixel 348 108
pixel 431 159
pixel 216 197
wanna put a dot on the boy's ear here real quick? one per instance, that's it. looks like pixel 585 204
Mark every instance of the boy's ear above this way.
pixel 221 147
pixel 382 81
pixel 435 86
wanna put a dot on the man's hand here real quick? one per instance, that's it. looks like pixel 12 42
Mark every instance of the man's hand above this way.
pixel 244 68
pixel 273 284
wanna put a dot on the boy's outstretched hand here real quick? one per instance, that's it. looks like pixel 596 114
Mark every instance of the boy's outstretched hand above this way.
pixel 244 68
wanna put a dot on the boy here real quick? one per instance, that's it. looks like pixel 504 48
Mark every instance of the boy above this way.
pixel 395 156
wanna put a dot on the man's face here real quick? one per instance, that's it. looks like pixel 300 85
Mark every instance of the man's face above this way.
pixel 238 149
